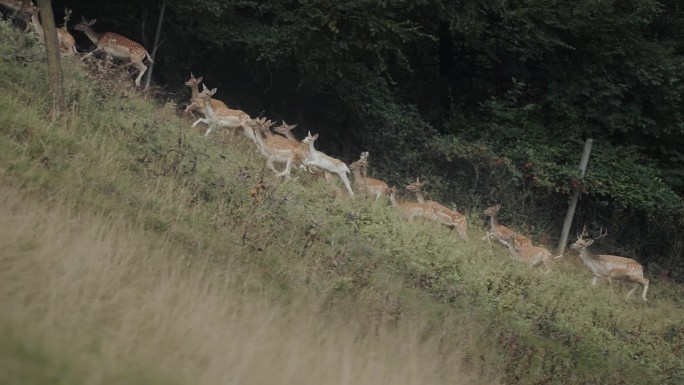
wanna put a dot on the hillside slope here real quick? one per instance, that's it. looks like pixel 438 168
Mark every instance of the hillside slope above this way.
pixel 136 253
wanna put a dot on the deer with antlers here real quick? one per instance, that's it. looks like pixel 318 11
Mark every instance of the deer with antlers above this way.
pixel 66 40
pixel 610 266
pixel 117 46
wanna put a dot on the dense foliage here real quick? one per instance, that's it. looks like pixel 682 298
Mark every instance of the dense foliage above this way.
pixel 489 100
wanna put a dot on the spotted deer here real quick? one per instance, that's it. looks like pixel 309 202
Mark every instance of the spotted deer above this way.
pixel 498 231
pixel 219 119
pixel 410 210
pixel 276 148
pixel 533 256
pixel 365 184
pixel 66 40
pixel 117 46
pixel 444 215
pixel 610 266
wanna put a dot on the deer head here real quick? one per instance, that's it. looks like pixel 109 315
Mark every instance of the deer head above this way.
pixel 583 241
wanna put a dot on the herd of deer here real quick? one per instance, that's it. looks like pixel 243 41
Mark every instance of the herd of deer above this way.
pixel 282 146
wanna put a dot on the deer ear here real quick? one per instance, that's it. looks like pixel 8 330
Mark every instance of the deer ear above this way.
pixel 91 22
pixel 213 91
pixel 315 137
pixel 589 242
pixel 292 126
pixel 199 79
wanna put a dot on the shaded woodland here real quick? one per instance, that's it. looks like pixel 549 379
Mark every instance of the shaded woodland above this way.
pixel 490 101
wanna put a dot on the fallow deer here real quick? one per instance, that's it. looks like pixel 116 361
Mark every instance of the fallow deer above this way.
pixel 214 119
pixel 370 186
pixel 499 231
pixel 117 46
pixel 273 149
pixel 410 210
pixel 17 7
pixel 66 40
pixel 326 163
pixel 444 215
pixel 532 256
pixel 610 266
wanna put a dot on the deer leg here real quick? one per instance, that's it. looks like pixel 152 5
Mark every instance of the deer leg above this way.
pixel 594 281
pixel 141 71
pixel 645 283
pixel 343 176
pixel 269 164
pixel 286 171
pixel 211 127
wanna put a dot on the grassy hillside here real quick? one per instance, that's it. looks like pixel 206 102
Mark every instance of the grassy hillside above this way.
pixel 135 250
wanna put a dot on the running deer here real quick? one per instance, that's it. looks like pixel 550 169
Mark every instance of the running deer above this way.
pixel 117 46
pixel 610 266
pixel 220 108
pixel 444 215
pixel 286 130
pixel 326 163
pixel 410 210
pixel 532 256
pixel 499 231
pixel 273 148
pixel 219 118
pixel 370 186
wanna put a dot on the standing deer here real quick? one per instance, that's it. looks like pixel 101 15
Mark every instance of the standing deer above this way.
pixel 326 163
pixel 610 266
pixel 532 256
pixel 66 41
pixel 117 46
pixel 444 215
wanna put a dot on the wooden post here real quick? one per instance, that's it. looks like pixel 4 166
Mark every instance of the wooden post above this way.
pixel 573 201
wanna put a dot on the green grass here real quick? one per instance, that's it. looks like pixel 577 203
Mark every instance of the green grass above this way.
pixel 168 215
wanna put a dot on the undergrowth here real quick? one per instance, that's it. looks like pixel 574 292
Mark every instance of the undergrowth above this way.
pixel 129 157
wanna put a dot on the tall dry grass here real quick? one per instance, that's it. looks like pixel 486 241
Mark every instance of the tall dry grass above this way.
pixel 102 302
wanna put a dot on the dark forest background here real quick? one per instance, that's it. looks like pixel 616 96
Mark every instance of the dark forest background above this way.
pixel 490 101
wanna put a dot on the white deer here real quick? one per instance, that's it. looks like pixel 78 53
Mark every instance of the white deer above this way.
pixel 325 162
pixel 610 266
pixel 117 46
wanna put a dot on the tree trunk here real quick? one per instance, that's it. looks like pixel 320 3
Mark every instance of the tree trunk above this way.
pixel 47 18
pixel 148 74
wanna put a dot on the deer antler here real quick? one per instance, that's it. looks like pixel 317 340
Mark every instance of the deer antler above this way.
pixel 584 233
pixel 67 16
pixel 602 233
